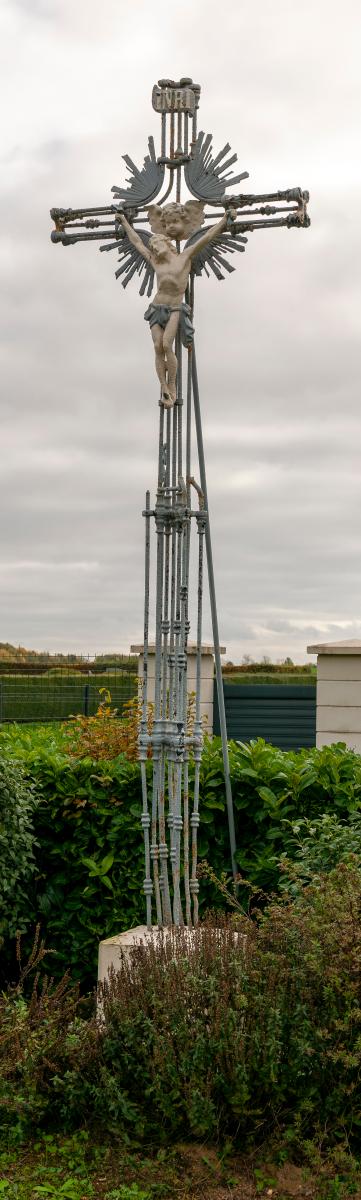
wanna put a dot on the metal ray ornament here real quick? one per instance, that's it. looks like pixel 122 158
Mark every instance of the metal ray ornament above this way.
pixel 147 237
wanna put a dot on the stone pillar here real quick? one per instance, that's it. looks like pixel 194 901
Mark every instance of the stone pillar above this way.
pixel 338 716
pixel 207 677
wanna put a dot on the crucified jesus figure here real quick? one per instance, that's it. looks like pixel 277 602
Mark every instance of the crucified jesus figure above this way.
pixel 168 310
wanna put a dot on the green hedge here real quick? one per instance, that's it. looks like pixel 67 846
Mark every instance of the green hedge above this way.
pixel 17 847
pixel 87 820
pixel 87 884
pixel 264 679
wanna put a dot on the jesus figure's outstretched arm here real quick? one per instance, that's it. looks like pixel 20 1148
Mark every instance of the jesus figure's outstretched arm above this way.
pixel 211 233
pixel 134 238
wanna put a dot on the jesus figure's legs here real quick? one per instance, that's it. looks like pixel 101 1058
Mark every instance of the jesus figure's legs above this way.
pixel 171 357
pixel 165 359
pixel 160 360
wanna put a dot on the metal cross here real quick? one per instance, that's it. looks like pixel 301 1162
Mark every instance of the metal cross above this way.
pixel 170 819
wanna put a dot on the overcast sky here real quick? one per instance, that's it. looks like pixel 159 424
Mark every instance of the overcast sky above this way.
pixel 278 342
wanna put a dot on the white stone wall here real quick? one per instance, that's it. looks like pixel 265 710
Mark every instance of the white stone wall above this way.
pixel 338 694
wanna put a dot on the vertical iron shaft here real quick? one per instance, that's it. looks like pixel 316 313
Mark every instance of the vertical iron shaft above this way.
pixel 213 603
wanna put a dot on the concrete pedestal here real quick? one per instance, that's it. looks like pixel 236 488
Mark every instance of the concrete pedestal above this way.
pixel 207 677
pixel 123 945
pixel 338 717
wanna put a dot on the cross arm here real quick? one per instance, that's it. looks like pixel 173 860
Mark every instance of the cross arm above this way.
pixel 270 209
pixel 88 224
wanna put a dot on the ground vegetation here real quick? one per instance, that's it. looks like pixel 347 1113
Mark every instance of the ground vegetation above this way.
pixel 228 1069
pixel 86 868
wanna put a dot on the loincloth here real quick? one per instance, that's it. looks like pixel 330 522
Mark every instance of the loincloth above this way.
pixel 158 314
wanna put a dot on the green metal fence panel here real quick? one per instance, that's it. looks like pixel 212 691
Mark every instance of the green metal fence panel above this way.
pixel 284 715
pixel 30 696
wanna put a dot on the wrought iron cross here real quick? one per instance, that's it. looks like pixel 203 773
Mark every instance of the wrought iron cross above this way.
pixel 147 237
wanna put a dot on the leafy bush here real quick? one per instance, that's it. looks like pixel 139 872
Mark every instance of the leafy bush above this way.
pixel 17 844
pixel 270 786
pixel 316 846
pixel 39 1038
pixel 104 736
pixel 229 1036
pixel 23 741
pixel 89 857
pixel 235 1037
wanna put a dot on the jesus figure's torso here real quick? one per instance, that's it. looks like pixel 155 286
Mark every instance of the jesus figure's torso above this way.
pixel 172 278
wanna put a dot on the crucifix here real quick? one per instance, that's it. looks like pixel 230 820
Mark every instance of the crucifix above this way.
pixel 177 240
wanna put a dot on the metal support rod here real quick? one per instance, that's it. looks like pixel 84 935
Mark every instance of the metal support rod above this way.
pixel 163 136
pixel 145 818
pixel 163 848
pixel 212 596
pixel 179 405
pixel 146 614
pixel 198 738
pixel 171 143
pixel 69 239
pixel 162 459
pixel 189 300
pixel 194 122
pixel 295 220
pixel 266 210
pixel 194 823
pixel 185 147
pixel 179 151
pixel 292 195
pixel 186 842
pixel 154 852
pixel 157 712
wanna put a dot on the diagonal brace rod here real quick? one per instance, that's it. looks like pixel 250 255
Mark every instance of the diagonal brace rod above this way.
pixel 212 596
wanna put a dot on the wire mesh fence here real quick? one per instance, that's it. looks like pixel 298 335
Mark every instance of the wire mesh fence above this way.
pixel 53 693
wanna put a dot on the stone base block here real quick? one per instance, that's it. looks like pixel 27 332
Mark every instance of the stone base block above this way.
pixel 113 949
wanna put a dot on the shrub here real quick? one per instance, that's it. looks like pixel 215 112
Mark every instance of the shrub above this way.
pixel 17 845
pixel 237 1037
pixel 316 846
pixel 40 1038
pixel 104 736
pixel 224 1037
pixel 90 859
pixel 270 786
pixel 89 856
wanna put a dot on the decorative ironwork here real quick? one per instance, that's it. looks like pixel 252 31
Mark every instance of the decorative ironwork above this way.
pixel 212 256
pixel 170 819
pixel 208 177
pixel 145 184
pixel 132 261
